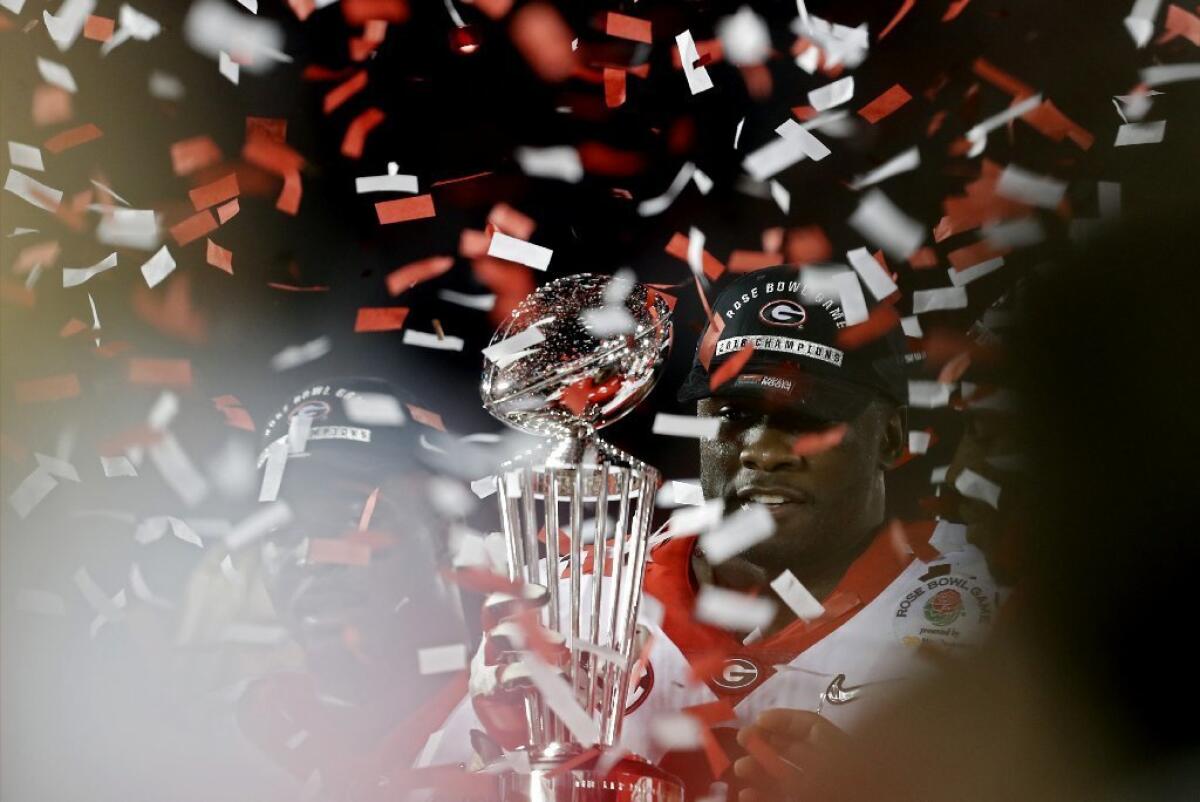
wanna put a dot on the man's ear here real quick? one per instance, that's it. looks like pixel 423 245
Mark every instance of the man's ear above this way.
pixel 891 445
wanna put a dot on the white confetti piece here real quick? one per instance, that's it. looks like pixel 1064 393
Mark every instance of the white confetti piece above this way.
pixel 797 597
pixel 972 485
pixel 426 339
pixel 872 273
pixel 744 528
pixel 686 493
pixel 702 181
pixel 211 27
pixel 74 276
pixel 1019 184
pixel 510 349
pixel 961 278
pixel 905 162
pixel 26 156
pixel 483 303
pixel 230 573
pixel 252 7
pixel 841 284
pixel 33 191
pixel 516 250
pixel 745 38
pixel 228 68
pixel 918 442
pixel 58 468
pixel 277 457
pixel 373 409
pixel 677 731
pixel 773 158
pixel 385 183
pixel 56 74
pixel 693 520
pixel 938 299
pixel 158 267
pixel 928 394
pixel 695 251
pixel 442 659
pixel 484 487
pixel 295 355
pixel 1160 74
pixel 812 147
pixel 1014 233
pixel 782 198
pixel 131 24
pixel 14 6
pixel 831 95
pixel 65 26
pixel 911 326
pixel 258 524
pixel 560 162
pixel 141 589
pixel 686 426
pixel 1150 133
pixel 1140 22
pixel 731 610
pixel 882 223
pixel 31 491
pixel 95 596
pixel 165 408
pixel 177 469
pixel 978 134
pixel 164 86
pixel 151 530
pixel 117 466
pixel 558 695
pixel 129 228
pixel 181 531
pixel 659 204
pixel 698 79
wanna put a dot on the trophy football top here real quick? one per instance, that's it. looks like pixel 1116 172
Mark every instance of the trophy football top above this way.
pixel 576 355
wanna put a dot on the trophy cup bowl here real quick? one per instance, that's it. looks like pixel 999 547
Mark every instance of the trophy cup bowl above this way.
pixel 575 356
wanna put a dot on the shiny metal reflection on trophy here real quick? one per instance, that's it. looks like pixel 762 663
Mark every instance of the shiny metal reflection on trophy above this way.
pixel 576 355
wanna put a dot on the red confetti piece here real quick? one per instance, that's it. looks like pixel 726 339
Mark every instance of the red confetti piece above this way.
pixel 272 128
pixel 337 551
pixel 43 253
pixel 730 367
pixel 360 12
pixel 602 159
pixel 544 40
pixel 718 761
pixel 885 104
pixel 405 278
pixel 72 138
pixel 1001 79
pixel 165 372
pixel 954 10
pixel 953 370
pixel 906 7
pixel 712 267
pixel 302 8
pixel 614 87
pixel 709 51
pixel 343 92
pixel 48 388
pixel 357 131
pixel 215 192
pixel 1180 23
pixel 882 319
pixel 1052 123
pixel 219 257
pixel 973 254
pixel 807 245
pixel 72 327
pixel 380 318
pixel 404 209
pixel 227 211
pixel 494 8
pixel 483 581
pixel 623 26
pixel 749 261
pixel 511 222
pixel 194 227
pixel 278 158
pixel 813 443
pixel 98 29
pixel 235 415
pixel 51 105
pixel 426 417
pixel 473 244
pixel 713 713
pixel 924 258
pixel 172 312
pixel 190 155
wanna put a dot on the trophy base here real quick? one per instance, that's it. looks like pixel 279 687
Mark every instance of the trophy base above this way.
pixel 630 780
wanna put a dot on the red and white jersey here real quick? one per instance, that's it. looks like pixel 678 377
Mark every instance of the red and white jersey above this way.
pixel 888 605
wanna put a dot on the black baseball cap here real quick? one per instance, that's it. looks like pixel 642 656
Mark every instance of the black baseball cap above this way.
pixel 357 423
pixel 796 358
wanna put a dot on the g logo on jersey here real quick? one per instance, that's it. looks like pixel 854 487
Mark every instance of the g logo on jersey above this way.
pixel 787 313
pixel 314 408
pixel 736 673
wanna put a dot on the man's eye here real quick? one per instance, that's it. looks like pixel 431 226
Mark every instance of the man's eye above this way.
pixel 732 414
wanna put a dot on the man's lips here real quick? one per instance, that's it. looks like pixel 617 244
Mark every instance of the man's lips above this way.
pixel 772 495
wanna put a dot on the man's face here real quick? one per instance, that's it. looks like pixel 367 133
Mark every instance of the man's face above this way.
pixel 823 503
pixel 360 603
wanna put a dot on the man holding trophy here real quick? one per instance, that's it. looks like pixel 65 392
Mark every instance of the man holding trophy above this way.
pixel 786 605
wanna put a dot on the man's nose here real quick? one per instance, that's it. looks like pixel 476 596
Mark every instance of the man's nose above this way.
pixel 766 449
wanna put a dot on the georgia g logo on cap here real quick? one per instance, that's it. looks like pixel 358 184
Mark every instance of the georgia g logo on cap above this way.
pixel 783 313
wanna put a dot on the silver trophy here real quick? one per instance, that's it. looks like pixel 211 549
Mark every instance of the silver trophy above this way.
pixel 577 355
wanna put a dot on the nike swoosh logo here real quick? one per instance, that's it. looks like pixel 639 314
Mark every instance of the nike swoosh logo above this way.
pixel 838 694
